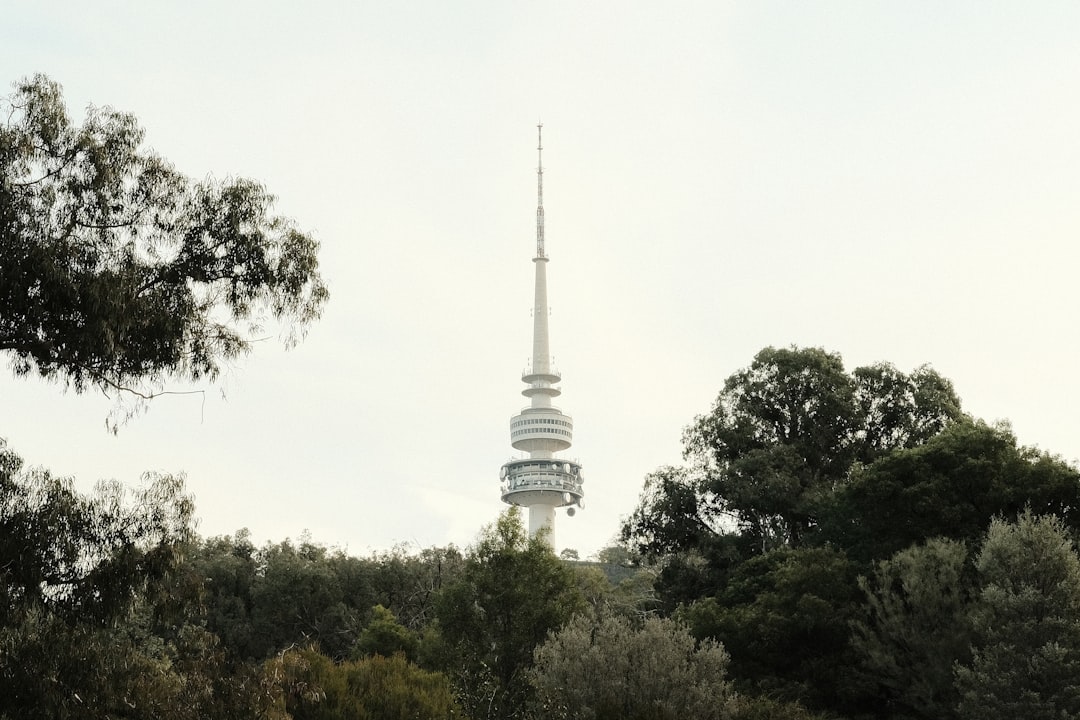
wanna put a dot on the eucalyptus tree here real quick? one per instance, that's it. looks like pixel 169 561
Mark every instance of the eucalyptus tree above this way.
pixel 785 431
pixel 94 601
pixel 117 272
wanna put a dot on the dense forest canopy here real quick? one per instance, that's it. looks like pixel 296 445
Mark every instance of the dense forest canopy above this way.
pixel 921 573
pixel 837 545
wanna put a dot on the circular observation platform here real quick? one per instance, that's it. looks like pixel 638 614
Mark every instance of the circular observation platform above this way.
pixel 547 481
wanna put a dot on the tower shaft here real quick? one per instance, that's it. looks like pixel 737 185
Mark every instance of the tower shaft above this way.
pixel 541 355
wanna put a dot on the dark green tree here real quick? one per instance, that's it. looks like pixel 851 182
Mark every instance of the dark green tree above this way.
pixel 82 558
pixel 951 486
pixel 132 669
pixel 511 593
pixel 1026 656
pixel 784 435
pixel 764 708
pixel 785 431
pixel 226 568
pixel 898 410
pixel 116 271
pixel 785 619
pixel 676 512
pixel 98 613
pixel 616 555
pixel 776 440
pixel 262 601
pixel 297 598
pixel 408 583
pixel 385 636
pixel 914 629
pixel 679 526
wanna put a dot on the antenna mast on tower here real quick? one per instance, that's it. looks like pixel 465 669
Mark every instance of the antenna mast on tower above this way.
pixel 540 190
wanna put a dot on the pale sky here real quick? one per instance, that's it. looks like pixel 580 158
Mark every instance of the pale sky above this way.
pixel 890 181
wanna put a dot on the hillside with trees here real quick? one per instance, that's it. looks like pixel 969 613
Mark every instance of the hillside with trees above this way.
pixel 837 544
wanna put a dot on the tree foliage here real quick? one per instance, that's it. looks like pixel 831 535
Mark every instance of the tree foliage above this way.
pixel 675 513
pixel 897 410
pixel 118 272
pixel 97 610
pixel 374 688
pixel 260 601
pixel 804 476
pixel 408 583
pixel 607 668
pixel 57 669
pixel 1026 656
pixel 385 636
pixel 511 593
pixel 84 559
pixel 782 434
pixel 785 618
pixel 950 486
pixel 914 629
pixel 777 436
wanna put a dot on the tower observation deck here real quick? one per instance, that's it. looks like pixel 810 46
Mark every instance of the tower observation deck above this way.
pixel 542 481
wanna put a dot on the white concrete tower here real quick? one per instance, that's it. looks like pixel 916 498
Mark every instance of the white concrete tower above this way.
pixel 541 482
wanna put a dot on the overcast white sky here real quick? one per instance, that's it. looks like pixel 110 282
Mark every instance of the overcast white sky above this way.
pixel 891 181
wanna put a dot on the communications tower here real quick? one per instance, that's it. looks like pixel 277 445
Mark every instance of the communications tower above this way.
pixel 541 482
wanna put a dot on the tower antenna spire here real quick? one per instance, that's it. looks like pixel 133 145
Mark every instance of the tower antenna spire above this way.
pixel 540 190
